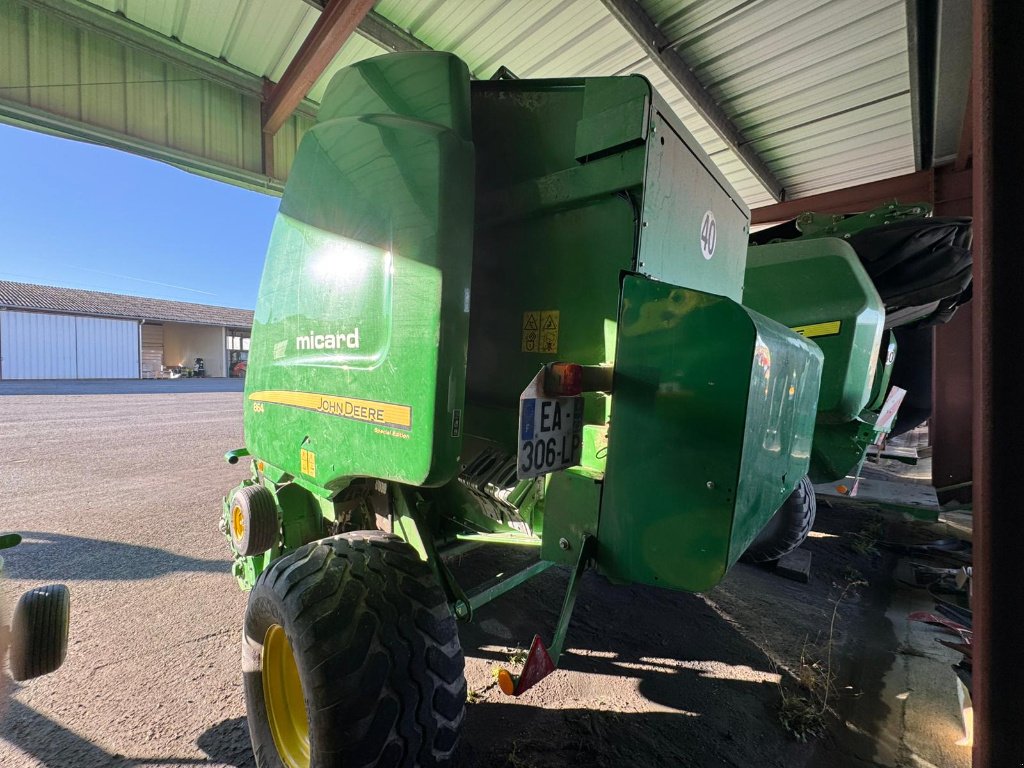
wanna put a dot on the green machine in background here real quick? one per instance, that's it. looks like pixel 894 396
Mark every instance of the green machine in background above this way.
pixel 818 288
pixel 822 275
pixel 492 313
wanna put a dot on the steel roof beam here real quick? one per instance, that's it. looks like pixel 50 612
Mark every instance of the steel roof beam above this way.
pixel 332 30
pixel 922 45
pixel 658 47
pixel 911 187
pixel 383 32
pixel 35 119
pixel 389 35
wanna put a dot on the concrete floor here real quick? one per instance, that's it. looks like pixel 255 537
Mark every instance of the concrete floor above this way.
pixel 118 496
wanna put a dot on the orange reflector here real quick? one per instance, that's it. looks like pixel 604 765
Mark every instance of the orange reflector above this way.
pixel 565 379
pixel 842 489
pixel 259 466
pixel 506 682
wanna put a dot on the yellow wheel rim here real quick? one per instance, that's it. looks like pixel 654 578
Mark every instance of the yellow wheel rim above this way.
pixel 282 694
pixel 237 523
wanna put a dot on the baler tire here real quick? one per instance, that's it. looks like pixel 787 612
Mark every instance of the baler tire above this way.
pixel 260 526
pixel 375 647
pixel 788 527
pixel 39 632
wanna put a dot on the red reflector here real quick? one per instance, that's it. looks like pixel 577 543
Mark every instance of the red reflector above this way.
pixel 565 379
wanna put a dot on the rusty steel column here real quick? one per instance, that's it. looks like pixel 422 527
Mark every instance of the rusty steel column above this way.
pixel 952 380
pixel 952 406
pixel 998 684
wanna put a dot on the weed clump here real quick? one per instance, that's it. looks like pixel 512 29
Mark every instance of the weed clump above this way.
pixel 803 707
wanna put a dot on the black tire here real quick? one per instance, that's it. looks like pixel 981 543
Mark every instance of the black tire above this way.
pixel 39 631
pixel 787 528
pixel 259 527
pixel 377 652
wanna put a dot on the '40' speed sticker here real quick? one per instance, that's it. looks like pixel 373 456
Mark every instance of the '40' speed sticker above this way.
pixel 708 235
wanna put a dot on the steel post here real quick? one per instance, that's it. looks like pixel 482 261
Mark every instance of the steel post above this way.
pixel 998 683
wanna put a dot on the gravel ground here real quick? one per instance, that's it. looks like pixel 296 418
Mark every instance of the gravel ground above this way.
pixel 118 496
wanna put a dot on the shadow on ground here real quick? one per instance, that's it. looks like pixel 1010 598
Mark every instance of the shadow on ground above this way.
pixel 228 742
pixel 61 557
pixel 702 690
pixel 699 662
pixel 54 746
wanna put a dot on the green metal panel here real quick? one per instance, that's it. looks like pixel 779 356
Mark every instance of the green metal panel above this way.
pixel 712 416
pixel 358 350
pixel 552 236
pixel 572 502
pixel 839 448
pixel 425 86
pixel 615 116
pixel 574 189
pixel 819 286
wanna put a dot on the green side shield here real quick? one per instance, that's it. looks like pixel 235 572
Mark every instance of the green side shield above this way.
pixel 358 356
pixel 712 417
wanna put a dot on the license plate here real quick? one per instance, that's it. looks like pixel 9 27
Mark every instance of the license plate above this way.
pixel 550 434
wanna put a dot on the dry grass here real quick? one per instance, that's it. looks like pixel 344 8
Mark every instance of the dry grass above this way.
pixel 865 541
pixel 516 658
pixel 801 718
pixel 804 704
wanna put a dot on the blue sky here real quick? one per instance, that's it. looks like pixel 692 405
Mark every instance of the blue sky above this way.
pixel 82 216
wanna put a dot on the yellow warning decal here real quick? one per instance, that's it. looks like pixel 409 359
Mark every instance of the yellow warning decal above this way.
pixel 307 459
pixel 830 328
pixel 540 331
pixel 370 411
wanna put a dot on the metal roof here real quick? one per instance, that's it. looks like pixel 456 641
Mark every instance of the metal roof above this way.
pixel 46 298
pixel 819 88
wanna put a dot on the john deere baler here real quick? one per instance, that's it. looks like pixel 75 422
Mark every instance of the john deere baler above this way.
pixel 492 313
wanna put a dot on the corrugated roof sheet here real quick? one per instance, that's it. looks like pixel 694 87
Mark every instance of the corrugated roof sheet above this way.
pixel 91 82
pixel 820 88
pixel 46 298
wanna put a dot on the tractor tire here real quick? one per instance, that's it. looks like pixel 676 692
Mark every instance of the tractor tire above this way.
pixel 788 527
pixel 39 632
pixel 253 524
pixel 351 658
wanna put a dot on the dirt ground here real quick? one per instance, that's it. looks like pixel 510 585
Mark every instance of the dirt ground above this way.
pixel 118 496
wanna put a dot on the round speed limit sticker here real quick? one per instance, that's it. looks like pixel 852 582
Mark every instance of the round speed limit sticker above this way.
pixel 708 235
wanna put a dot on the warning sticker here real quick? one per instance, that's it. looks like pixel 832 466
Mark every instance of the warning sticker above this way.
pixel 540 331
pixel 818 329
pixel 307 460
